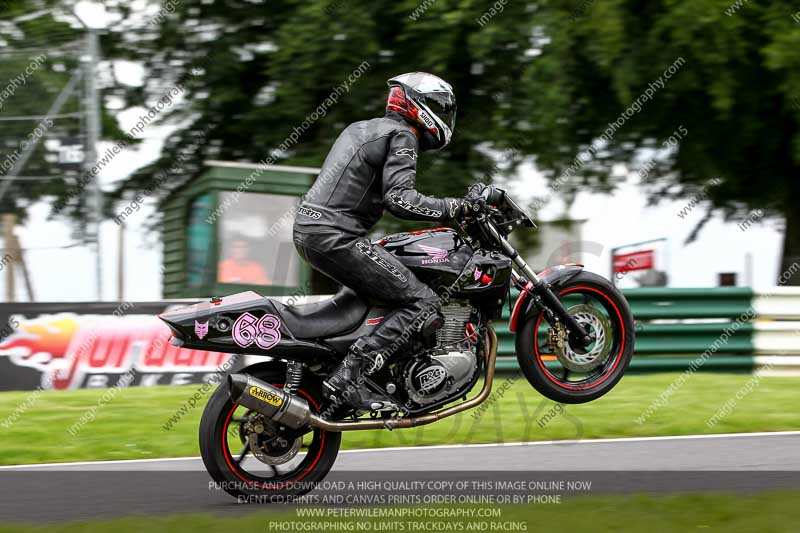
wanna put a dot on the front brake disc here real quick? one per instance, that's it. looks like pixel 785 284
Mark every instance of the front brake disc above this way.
pixel 598 327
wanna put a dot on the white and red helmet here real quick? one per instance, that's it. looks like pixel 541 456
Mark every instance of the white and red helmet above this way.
pixel 428 102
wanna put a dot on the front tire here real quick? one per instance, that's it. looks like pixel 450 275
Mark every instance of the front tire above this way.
pixel 556 371
pixel 225 450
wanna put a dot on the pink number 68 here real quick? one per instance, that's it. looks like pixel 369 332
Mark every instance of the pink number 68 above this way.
pixel 264 331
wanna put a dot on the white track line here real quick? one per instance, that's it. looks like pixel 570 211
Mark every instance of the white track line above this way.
pixel 111 462
pixel 449 447
pixel 581 441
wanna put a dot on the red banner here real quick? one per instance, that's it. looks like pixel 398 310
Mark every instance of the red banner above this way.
pixel 72 350
pixel 641 260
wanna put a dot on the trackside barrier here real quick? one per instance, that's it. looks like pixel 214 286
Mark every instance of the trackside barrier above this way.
pixel 53 346
pixel 68 345
pixel 739 329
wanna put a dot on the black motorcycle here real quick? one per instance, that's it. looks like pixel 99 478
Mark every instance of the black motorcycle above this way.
pixel 574 340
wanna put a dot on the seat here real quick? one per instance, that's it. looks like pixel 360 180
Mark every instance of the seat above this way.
pixel 328 318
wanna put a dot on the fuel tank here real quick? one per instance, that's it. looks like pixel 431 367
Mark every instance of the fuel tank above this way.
pixel 440 256
pixel 436 256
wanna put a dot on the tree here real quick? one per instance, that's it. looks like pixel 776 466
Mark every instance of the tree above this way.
pixel 33 72
pixel 717 81
pixel 253 75
pixel 41 43
pixel 731 106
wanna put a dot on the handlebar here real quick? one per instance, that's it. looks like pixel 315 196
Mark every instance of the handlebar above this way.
pixel 493 195
pixel 492 216
pixel 505 211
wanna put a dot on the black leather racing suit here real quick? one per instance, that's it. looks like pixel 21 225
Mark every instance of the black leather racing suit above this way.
pixel 371 167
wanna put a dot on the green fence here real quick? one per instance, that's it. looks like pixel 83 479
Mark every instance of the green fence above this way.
pixel 675 327
pixel 727 302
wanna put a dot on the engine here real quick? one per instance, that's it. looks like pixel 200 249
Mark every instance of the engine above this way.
pixel 449 366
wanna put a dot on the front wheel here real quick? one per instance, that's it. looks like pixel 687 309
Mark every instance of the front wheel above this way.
pixel 569 374
pixel 255 459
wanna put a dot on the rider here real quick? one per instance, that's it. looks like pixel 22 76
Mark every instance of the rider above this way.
pixel 372 166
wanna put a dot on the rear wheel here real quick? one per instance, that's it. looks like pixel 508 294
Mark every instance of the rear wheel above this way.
pixel 255 459
pixel 569 374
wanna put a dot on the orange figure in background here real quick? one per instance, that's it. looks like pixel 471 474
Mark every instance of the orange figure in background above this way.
pixel 239 268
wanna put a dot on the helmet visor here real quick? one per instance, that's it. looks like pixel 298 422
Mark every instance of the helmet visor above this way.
pixel 443 105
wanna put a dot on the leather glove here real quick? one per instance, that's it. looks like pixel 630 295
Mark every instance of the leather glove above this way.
pixel 473 203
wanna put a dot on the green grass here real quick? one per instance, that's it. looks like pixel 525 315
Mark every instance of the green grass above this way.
pixel 130 425
pixel 772 511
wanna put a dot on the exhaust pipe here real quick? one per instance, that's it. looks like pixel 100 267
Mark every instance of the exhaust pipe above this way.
pixel 270 401
pixel 422 420
pixel 294 412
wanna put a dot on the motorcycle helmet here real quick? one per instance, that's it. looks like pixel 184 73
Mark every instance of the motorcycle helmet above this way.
pixel 427 102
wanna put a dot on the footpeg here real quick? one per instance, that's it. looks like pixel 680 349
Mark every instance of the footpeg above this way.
pixel 383 406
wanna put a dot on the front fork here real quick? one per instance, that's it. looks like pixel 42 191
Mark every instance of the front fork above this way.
pixel 579 337
pixel 541 291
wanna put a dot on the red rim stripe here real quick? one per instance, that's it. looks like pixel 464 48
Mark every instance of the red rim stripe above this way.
pixel 539 360
pixel 304 473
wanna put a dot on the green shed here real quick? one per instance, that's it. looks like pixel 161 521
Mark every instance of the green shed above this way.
pixel 230 229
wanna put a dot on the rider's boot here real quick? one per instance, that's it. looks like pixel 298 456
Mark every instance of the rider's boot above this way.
pixel 346 383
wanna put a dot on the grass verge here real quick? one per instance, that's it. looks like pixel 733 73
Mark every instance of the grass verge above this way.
pixel 131 424
pixel 771 511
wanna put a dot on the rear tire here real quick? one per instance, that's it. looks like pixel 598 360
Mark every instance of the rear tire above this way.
pixel 217 425
pixel 549 382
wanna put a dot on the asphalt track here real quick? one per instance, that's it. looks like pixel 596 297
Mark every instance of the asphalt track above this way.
pixel 722 463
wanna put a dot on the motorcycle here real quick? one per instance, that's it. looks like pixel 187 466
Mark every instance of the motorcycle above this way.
pixel 574 340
